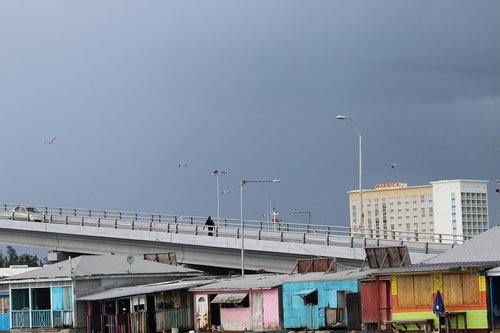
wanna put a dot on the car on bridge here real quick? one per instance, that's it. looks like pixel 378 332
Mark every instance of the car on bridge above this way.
pixel 26 213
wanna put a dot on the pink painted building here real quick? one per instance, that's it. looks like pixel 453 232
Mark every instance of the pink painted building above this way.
pixel 236 304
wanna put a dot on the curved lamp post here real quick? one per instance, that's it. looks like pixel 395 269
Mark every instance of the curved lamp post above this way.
pixel 242 226
pixel 341 117
pixel 216 173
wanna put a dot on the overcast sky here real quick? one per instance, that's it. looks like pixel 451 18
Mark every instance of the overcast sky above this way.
pixel 131 89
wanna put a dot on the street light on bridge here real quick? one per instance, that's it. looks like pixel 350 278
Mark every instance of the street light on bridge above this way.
pixel 216 173
pixel 360 135
pixel 242 226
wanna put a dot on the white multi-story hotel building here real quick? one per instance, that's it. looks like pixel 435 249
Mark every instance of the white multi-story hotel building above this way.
pixel 447 210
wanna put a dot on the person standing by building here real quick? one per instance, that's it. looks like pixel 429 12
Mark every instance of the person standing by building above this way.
pixel 210 225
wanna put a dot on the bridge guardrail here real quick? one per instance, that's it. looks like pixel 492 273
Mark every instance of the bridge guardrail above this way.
pixel 259 230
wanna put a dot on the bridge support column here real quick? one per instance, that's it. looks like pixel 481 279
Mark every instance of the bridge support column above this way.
pixel 54 256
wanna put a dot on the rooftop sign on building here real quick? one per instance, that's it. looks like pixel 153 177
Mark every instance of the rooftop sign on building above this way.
pixel 390 185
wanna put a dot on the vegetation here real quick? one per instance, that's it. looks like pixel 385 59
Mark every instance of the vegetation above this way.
pixel 12 258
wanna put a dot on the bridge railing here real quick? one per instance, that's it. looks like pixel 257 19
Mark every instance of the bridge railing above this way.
pixel 253 229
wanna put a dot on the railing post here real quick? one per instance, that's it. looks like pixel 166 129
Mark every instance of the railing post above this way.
pixel 98 221
pixel 259 234
pixel 238 233
pixel 304 237
pixel 74 211
pixel 82 222
pixel 195 230
pixel 216 231
pixel 328 239
pixel 150 226
pixel 281 236
pixel 116 223
pixel 104 213
pixel 168 227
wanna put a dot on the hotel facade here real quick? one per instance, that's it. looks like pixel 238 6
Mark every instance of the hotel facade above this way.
pixel 445 210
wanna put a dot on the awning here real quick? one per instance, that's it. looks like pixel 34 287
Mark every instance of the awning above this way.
pixel 229 298
pixel 494 272
pixel 305 292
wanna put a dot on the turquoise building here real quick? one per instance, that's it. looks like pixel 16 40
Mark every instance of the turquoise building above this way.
pixel 322 300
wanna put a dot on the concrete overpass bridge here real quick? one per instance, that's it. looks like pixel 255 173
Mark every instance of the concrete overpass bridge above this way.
pixel 270 247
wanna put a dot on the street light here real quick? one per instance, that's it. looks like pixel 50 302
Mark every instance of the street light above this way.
pixel 216 173
pixel 297 211
pixel 341 117
pixel 242 227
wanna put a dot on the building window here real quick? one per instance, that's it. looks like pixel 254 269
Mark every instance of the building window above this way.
pixel 4 305
pixel 461 289
pixel 414 290
pixel 310 298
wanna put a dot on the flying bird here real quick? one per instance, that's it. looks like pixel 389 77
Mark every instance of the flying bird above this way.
pixel 51 141
pixel 183 165
pixel 393 165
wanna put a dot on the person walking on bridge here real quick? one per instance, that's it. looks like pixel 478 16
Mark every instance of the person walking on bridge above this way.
pixel 210 225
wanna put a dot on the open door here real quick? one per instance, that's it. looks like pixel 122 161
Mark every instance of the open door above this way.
pixel 151 313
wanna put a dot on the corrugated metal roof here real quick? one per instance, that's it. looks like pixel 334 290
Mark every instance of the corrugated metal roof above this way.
pixel 15 270
pixel 101 265
pixel 354 274
pixel 264 281
pixel 251 281
pixel 423 267
pixel 482 248
pixel 144 289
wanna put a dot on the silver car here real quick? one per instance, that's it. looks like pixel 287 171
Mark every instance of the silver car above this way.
pixel 25 213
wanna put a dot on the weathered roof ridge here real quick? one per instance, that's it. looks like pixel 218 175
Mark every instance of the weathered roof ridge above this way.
pixel 101 265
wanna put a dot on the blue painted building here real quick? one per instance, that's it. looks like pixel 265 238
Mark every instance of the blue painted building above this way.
pixel 4 311
pixel 6 272
pixel 49 297
pixel 321 300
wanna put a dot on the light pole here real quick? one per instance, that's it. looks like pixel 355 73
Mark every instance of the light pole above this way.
pixel 242 226
pixel 341 117
pixel 216 173
pixel 297 211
